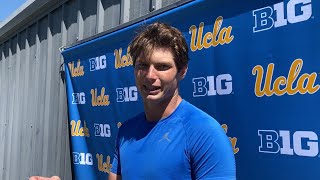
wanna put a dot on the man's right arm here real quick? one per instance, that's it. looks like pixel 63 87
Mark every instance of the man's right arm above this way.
pixel 113 176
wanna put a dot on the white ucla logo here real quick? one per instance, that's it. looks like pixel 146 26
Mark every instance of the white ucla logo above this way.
pixel 283 14
pixel 98 63
pixel 211 86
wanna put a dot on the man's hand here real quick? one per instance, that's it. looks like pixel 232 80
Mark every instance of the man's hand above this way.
pixel 44 178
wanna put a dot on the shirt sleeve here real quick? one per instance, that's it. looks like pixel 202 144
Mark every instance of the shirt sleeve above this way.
pixel 116 165
pixel 211 154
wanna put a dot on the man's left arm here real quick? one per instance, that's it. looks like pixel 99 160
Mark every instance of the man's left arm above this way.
pixel 211 154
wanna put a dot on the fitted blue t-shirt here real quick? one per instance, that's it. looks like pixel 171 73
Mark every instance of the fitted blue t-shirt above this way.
pixel 188 144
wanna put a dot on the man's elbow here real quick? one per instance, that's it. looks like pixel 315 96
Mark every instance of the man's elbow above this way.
pixel 113 176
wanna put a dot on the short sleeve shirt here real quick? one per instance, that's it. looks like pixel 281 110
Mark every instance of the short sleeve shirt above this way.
pixel 188 144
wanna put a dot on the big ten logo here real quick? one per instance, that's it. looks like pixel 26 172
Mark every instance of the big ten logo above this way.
pixel 98 63
pixel 211 86
pixel 79 98
pixel 127 94
pixel 120 60
pixel 77 130
pixel 99 100
pixel 293 12
pixel 214 38
pixel 301 143
pixel 77 70
pixel 102 130
pixel 82 158
pixel 104 166
pixel 233 140
pixel 284 85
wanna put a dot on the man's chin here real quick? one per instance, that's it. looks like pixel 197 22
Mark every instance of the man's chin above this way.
pixel 152 99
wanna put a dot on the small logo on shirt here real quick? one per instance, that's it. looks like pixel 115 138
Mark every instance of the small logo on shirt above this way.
pixel 165 137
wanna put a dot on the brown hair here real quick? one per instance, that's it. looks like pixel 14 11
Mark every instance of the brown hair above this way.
pixel 160 35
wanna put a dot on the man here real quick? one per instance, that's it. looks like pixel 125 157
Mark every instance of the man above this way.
pixel 171 139
pixel 44 178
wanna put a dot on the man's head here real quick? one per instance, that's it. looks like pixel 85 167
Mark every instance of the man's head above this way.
pixel 160 58
pixel 160 36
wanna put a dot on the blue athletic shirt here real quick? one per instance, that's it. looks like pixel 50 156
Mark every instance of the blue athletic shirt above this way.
pixel 188 144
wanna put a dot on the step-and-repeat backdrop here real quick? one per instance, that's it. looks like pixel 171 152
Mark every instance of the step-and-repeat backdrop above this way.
pixel 254 67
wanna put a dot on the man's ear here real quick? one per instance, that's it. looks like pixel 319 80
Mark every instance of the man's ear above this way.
pixel 183 72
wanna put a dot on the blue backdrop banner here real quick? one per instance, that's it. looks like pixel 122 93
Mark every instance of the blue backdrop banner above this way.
pixel 254 67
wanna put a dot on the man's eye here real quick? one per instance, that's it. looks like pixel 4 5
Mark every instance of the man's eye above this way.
pixel 163 67
pixel 141 65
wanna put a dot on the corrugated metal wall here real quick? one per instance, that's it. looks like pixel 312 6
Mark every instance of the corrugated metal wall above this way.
pixel 33 110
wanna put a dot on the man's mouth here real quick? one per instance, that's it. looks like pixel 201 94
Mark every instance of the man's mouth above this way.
pixel 151 89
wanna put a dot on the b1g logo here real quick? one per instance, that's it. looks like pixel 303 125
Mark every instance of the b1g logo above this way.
pixel 211 86
pixel 301 143
pixel 293 12
pixel 98 63
pixel 82 158
pixel 102 130
pixel 79 98
pixel 127 94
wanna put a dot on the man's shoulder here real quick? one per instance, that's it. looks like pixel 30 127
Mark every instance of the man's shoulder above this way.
pixel 133 120
pixel 193 113
pixel 194 118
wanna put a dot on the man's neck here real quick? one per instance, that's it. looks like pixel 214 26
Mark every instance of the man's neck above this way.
pixel 157 111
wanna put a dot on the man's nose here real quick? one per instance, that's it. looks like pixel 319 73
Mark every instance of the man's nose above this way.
pixel 151 73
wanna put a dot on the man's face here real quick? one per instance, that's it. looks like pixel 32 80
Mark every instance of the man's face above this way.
pixel 157 78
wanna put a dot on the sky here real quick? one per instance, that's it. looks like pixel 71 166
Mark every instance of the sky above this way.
pixel 9 6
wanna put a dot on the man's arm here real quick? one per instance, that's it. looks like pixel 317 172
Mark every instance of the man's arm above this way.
pixel 44 178
pixel 113 176
pixel 211 151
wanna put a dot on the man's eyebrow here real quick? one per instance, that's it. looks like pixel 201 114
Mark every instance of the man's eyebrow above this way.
pixel 162 63
pixel 142 61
